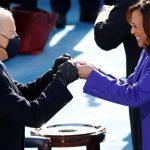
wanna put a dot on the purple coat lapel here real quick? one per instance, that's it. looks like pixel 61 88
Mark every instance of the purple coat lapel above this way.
pixel 140 65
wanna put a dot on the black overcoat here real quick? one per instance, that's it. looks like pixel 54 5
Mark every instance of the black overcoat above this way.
pixel 29 105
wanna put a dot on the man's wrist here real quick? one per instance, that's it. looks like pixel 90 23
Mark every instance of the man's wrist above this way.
pixel 58 76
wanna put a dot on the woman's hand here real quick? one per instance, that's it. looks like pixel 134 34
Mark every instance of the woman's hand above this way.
pixel 84 69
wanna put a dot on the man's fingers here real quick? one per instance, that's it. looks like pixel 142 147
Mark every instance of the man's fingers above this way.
pixel 66 55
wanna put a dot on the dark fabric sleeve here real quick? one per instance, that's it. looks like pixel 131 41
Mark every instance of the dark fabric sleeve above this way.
pixel 18 110
pixel 114 30
pixel 33 89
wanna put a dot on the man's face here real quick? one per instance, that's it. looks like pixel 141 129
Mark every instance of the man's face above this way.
pixel 7 29
pixel 137 29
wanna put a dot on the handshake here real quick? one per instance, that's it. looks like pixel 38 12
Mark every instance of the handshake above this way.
pixel 65 69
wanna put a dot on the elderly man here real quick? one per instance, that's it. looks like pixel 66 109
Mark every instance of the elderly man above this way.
pixel 32 104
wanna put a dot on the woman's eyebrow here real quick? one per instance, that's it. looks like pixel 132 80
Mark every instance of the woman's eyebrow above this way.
pixel 133 23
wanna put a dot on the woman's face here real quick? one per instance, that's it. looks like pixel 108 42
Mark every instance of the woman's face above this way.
pixel 137 28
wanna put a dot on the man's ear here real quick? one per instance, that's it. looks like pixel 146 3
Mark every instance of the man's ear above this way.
pixel 3 54
pixel 3 44
pixel 3 41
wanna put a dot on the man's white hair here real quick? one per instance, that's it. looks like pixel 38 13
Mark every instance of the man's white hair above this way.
pixel 5 12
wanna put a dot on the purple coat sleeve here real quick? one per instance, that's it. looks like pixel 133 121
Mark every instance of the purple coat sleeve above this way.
pixel 117 90
pixel 129 80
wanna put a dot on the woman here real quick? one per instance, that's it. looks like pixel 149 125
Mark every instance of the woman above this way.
pixel 32 104
pixel 107 39
pixel 135 90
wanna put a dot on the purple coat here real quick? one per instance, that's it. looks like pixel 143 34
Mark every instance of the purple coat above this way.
pixel 133 92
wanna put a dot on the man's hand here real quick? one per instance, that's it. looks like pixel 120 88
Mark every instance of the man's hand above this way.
pixel 61 59
pixel 67 72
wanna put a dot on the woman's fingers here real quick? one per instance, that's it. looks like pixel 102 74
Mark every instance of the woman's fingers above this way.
pixel 84 70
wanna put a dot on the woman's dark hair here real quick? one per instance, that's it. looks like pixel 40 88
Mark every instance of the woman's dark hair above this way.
pixel 144 7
